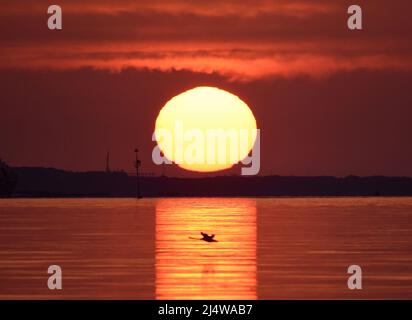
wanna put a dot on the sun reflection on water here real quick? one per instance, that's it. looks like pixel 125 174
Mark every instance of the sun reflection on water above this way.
pixel 192 269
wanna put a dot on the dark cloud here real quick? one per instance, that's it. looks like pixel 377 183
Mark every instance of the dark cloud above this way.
pixel 273 37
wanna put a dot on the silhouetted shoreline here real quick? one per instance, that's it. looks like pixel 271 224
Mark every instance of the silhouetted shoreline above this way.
pixel 50 182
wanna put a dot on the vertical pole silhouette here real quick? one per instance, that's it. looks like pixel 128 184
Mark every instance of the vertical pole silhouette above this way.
pixel 107 162
pixel 163 165
pixel 137 165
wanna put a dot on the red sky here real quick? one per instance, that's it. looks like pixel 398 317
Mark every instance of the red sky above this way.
pixel 328 100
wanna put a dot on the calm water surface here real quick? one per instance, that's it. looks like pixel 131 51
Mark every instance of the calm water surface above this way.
pixel 278 248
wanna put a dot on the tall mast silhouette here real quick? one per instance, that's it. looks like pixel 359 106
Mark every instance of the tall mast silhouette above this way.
pixel 137 164
pixel 163 165
pixel 107 162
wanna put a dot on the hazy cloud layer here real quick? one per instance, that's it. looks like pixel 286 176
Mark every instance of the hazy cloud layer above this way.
pixel 242 40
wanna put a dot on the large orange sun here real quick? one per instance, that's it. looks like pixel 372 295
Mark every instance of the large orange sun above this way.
pixel 205 129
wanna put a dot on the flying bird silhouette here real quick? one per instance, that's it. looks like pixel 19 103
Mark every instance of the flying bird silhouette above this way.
pixel 206 237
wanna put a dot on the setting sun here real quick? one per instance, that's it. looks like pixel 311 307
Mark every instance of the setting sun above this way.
pixel 205 129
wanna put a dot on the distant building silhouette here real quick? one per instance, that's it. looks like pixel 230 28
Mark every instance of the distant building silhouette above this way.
pixel 8 180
